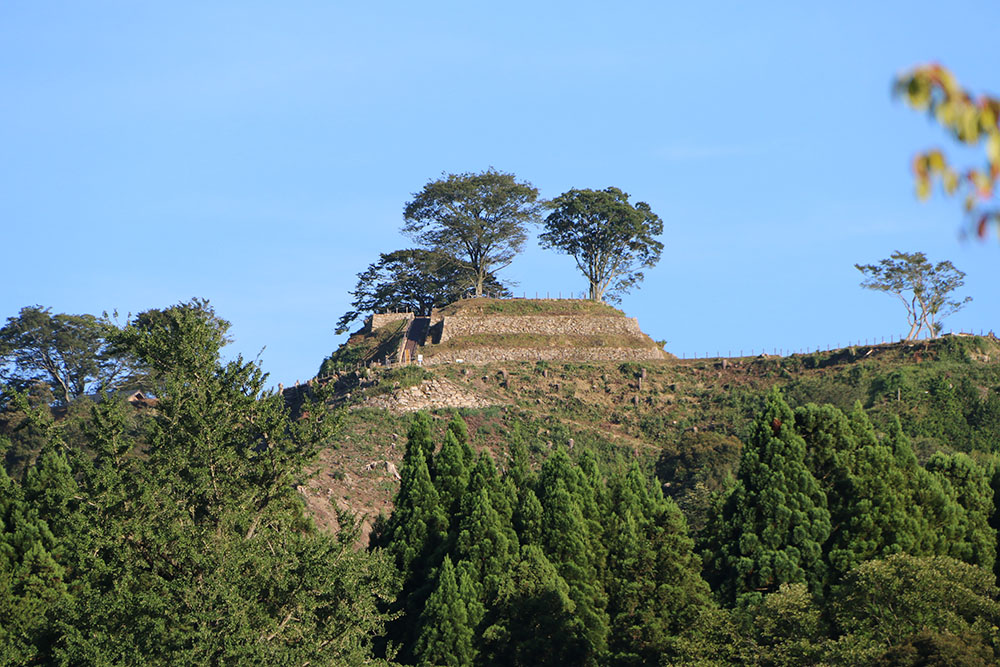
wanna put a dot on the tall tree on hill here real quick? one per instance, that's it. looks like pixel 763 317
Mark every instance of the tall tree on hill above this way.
pixel 967 484
pixel 450 474
pixel 533 623
pixel 481 218
pixel 33 585
pixel 775 521
pixel 610 239
pixel 485 541
pixel 868 489
pixel 416 533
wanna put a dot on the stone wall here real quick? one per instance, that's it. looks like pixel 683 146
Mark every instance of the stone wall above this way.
pixel 379 320
pixel 487 355
pixel 550 325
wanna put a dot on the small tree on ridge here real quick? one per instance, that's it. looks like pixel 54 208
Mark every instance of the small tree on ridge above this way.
pixel 922 287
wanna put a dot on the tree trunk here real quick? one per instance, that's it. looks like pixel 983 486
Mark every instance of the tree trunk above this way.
pixel 595 292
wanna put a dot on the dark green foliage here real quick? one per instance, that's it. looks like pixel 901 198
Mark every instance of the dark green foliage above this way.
pixel 786 627
pixel 33 590
pixel 573 543
pixel 967 485
pixel 559 567
pixel 486 542
pixel 655 590
pixel 533 623
pixel 197 549
pixel 886 602
pixel 610 239
pixel 451 474
pixel 775 521
pixel 697 469
pixel 480 218
pixel 928 647
pixel 446 634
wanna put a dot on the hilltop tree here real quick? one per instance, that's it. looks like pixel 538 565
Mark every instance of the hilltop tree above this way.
pixel 69 353
pixel 971 120
pixel 414 280
pixel 923 288
pixel 480 218
pixel 609 238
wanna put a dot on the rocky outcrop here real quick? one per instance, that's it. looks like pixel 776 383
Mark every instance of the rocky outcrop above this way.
pixel 428 395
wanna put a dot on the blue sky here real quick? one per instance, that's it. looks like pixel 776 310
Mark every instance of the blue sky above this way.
pixel 260 155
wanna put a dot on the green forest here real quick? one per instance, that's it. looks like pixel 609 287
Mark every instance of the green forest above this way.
pixel 859 530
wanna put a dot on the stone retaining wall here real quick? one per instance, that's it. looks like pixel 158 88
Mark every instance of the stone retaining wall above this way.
pixel 379 320
pixel 486 355
pixel 552 325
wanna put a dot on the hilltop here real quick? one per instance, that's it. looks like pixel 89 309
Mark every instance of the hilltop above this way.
pixel 485 330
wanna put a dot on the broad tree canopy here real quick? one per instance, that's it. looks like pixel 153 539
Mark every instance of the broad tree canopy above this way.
pixel 69 353
pixel 609 238
pixel 414 280
pixel 923 288
pixel 480 218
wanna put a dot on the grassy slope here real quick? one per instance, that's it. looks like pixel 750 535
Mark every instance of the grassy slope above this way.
pixel 529 307
pixel 942 391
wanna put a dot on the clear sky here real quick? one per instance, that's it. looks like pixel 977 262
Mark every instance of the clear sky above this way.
pixel 260 154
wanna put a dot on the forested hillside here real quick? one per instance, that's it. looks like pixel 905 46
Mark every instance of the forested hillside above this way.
pixel 831 508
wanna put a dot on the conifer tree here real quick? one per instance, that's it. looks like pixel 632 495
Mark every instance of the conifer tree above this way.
pixel 416 534
pixel 775 521
pixel 968 486
pixel 419 440
pixel 533 623
pixel 451 475
pixel 484 542
pixel 568 542
pixel 458 428
pixel 528 517
pixel 931 514
pixel 655 589
pixel 502 494
pixel 446 637
pixel 33 590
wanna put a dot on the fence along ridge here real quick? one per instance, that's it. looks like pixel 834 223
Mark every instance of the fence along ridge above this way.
pixel 867 342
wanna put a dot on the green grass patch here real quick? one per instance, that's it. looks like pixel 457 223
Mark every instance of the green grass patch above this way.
pixel 530 307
